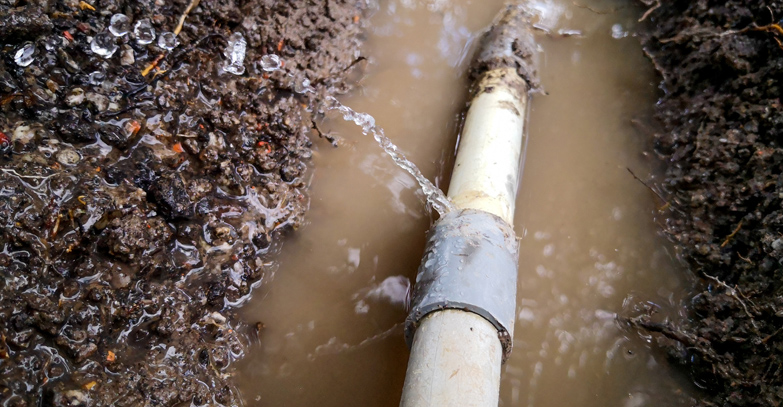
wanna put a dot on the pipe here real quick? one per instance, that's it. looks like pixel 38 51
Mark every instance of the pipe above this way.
pixel 464 300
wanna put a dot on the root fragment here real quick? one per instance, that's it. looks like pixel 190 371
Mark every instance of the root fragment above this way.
pixel 191 6
pixel 650 10
pixel 734 233
pixel 733 294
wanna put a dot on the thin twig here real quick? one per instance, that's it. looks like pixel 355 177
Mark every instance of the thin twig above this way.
pixel 191 6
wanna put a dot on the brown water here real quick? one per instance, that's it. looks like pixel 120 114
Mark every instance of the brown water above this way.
pixel 334 308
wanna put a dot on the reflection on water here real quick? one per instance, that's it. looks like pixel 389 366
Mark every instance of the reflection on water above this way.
pixel 333 310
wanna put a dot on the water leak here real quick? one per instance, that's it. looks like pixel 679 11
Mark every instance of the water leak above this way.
pixel 590 249
pixel 434 196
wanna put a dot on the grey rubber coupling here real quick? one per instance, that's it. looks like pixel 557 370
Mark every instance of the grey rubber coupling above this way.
pixel 470 264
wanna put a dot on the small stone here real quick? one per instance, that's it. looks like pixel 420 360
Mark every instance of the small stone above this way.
pixel 100 102
pixel 119 25
pixel 75 97
pixel 127 56
pixel 52 85
pixel 24 55
pixel 103 44
pixel 68 156
pixel 144 32
pixel 23 133
pixel 302 85
pixel 168 41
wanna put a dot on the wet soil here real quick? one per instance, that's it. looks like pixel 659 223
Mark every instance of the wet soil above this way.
pixel 722 121
pixel 142 193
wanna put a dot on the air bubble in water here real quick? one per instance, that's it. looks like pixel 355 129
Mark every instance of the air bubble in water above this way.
pixel 96 78
pixel 103 44
pixel 271 62
pixel 119 25
pixel 144 32
pixel 235 53
pixel 24 56
pixel 617 32
pixel 168 40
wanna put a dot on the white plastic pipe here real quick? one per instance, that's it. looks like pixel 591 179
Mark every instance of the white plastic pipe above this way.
pixel 456 355
pixel 455 361
pixel 486 172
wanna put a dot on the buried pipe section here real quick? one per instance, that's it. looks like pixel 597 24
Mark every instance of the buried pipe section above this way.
pixel 463 308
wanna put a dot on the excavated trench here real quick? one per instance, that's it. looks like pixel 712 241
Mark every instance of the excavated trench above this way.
pixel 154 153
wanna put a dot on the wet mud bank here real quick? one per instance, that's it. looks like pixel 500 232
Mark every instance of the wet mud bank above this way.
pixel 152 154
pixel 720 145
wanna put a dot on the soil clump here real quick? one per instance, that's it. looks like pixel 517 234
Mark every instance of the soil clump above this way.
pixel 151 153
pixel 722 119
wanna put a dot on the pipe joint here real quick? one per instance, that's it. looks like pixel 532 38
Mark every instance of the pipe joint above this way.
pixel 470 264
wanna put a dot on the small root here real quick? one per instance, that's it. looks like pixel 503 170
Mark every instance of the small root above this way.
pixel 650 10
pixel 191 6
pixel 152 65
pixel 666 205
pixel 731 236
pixel 329 138
pixel 745 258
pixel 733 293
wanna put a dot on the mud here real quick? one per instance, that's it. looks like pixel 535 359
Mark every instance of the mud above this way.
pixel 720 146
pixel 143 193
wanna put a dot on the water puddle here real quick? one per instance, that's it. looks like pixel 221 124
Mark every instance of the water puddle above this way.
pixel 333 310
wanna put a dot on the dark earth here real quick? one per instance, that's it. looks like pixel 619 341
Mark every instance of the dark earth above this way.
pixel 143 193
pixel 721 143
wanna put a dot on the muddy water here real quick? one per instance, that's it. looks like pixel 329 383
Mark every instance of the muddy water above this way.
pixel 333 310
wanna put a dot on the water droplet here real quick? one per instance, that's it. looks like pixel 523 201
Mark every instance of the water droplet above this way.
pixel 302 85
pixel 144 32
pixel 235 53
pixel 271 62
pixel 24 56
pixel 168 40
pixel 119 25
pixel 103 44
pixel 96 78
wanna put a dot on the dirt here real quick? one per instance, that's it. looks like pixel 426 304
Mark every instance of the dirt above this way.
pixel 143 194
pixel 722 121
